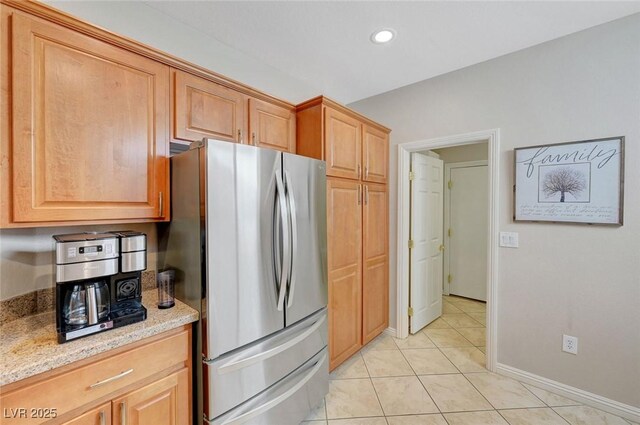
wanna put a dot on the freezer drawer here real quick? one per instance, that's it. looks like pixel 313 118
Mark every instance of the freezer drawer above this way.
pixel 289 401
pixel 240 375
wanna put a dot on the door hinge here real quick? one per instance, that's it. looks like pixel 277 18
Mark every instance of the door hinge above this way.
pixel 410 311
pixel 449 232
pixel 412 175
pixel 410 244
pixel 449 278
pixel 450 184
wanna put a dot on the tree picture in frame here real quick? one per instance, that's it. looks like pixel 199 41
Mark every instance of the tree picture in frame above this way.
pixel 574 182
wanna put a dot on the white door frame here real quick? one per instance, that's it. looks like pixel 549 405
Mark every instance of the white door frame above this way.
pixel 447 215
pixel 492 137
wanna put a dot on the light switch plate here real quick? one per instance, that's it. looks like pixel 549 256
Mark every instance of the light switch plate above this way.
pixel 509 239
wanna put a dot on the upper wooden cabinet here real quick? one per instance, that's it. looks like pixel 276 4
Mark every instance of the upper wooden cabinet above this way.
pixel 375 154
pixel 353 146
pixel 90 129
pixel 343 141
pixel 272 126
pixel 202 108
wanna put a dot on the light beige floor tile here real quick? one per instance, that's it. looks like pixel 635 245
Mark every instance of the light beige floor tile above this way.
pixel 429 361
pixel 483 349
pixel 479 317
pixel 584 415
pixel 382 363
pixel 466 359
pixel 475 418
pixel 477 336
pixel 352 368
pixel 450 308
pixel 502 392
pixel 351 398
pixel 473 307
pixel 359 421
pixel 544 416
pixel 382 342
pixel 461 321
pixel 403 396
pixel 417 420
pixel 318 413
pixel 438 324
pixel 453 393
pixel 447 338
pixel 313 423
pixel 551 399
pixel 418 340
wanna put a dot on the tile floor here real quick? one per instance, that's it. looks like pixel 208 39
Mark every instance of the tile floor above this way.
pixel 437 377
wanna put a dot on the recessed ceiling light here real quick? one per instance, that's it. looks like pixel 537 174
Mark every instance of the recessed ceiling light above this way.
pixel 383 36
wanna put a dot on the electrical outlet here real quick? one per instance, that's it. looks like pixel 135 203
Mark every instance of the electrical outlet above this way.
pixel 570 344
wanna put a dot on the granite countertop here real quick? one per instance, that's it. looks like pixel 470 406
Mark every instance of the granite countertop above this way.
pixel 29 346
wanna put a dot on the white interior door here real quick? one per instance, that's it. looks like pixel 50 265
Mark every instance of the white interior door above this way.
pixel 466 263
pixel 426 233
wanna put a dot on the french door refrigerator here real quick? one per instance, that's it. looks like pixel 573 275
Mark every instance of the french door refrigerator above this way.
pixel 248 242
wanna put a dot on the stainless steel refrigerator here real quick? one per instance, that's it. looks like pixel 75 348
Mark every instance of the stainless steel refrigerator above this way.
pixel 248 242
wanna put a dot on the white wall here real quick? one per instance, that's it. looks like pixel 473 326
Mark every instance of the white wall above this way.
pixel 574 279
pixel 26 255
pixel 145 24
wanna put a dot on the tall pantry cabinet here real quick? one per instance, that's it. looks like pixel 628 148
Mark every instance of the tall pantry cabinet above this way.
pixel 356 152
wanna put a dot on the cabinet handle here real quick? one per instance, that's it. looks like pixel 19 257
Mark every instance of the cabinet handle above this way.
pixel 161 204
pixel 359 170
pixel 359 194
pixel 123 413
pixel 253 138
pixel 239 136
pixel 366 172
pixel 102 419
pixel 113 378
pixel 366 195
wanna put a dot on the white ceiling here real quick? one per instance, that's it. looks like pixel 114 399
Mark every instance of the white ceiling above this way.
pixel 326 44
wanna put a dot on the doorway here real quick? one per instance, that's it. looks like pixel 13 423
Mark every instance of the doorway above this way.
pixel 404 254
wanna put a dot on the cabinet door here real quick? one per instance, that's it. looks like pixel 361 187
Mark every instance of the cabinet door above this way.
pixel 205 109
pixel 272 126
pixel 375 279
pixel 90 128
pixel 342 145
pixel 164 402
pixel 344 244
pixel 99 416
pixel 375 148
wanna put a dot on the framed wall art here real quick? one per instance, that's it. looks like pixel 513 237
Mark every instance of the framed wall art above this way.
pixel 575 182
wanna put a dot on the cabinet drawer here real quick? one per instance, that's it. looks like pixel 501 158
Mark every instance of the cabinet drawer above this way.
pixel 95 381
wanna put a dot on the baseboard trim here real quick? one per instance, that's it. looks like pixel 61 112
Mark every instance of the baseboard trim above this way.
pixel 624 410
pixel 390 331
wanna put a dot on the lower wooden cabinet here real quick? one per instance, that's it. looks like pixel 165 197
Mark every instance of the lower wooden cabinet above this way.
pixel 357 245
pixel 100 415
pixel 147 382
pixel 164 402
pixel 344 248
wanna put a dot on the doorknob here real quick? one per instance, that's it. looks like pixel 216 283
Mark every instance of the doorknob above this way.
pixel 441 248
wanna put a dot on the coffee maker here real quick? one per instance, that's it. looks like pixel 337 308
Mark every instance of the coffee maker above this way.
pixel 98 287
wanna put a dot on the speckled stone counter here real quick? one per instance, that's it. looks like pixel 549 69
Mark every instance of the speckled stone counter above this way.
pixel 29 346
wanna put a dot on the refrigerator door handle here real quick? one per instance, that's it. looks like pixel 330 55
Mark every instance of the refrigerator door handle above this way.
pixel 294 236
pixel 286 250
pixel 270 404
